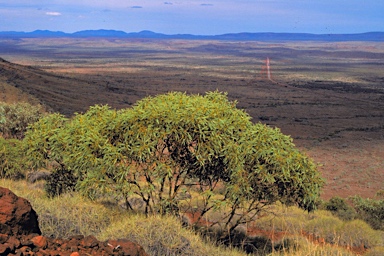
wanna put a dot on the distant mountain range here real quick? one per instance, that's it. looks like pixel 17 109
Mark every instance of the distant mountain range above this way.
pixel 146 34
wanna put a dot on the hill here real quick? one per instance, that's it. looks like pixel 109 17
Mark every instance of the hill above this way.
pixel 58 93
pixel 245 36
pixel 327 96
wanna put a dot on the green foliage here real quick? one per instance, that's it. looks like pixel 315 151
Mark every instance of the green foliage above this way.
pixel 339 207
pixel 176 144
pixel 370 210
pixel 12 159
pixel 41 145
pixel 274 170
pixel 15 118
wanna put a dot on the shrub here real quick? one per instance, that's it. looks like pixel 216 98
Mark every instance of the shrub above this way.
pixel 175 144
pixel 339 207
pixel 41 147
pixel 15 118
pixel 11 158
pixel 370 210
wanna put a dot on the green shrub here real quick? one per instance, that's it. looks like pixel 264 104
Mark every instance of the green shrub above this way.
pixel 41 147
pixel 370 210
pixel 15 118
pixel 12 160
pixel 339 207
pixel 176 144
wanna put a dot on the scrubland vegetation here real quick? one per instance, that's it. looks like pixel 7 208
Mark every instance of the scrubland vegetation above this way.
pixel 137 173
pixel 296 231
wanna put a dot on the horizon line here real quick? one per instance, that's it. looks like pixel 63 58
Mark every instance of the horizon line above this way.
pixel 146 30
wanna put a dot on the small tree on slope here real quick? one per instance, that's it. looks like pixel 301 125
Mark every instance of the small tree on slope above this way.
pixel 178 152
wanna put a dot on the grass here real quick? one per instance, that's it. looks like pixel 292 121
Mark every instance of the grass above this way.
pixel 294 232
pixel 72 214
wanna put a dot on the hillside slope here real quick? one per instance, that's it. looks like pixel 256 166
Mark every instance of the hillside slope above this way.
pixel 59 93
pixel 338 123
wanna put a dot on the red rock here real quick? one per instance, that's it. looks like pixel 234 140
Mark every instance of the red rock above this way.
pixel 75 254
pixel 16 215
pixel 13 240
pixel 89 242
pixel 3 238
pixel 127 247
pixel 5 249
pixel 40 241
pixel 42 253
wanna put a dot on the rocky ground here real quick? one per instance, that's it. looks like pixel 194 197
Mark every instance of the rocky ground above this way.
pixel 20 235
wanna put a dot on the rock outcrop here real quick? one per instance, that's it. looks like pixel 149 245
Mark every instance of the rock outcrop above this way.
pixel 16 215
pixel 20 235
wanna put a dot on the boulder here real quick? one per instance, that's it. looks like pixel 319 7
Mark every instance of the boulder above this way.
pixel 16 215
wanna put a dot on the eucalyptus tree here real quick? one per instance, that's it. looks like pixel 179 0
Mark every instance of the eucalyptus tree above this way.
pixel 177 152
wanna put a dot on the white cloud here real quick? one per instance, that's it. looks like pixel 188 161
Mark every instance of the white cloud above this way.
pixel 53 13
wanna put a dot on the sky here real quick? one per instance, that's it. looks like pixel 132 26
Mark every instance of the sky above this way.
pixel 199 17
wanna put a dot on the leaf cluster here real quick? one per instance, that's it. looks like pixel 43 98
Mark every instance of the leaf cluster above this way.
pixel 370 210
pixel 12 158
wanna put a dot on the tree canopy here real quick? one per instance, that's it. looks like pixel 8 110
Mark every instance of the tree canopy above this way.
pixel 176 152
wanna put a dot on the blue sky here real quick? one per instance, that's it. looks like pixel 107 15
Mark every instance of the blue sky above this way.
pixel 202 17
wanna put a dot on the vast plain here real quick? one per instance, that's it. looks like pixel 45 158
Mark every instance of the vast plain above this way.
pixel 328 96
